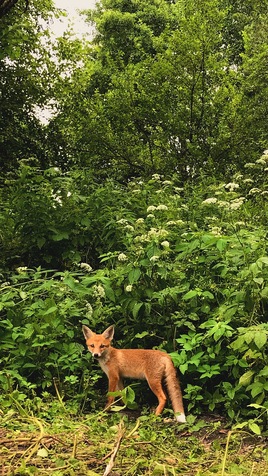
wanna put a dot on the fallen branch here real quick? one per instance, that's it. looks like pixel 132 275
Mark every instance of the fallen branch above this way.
pixel 110 465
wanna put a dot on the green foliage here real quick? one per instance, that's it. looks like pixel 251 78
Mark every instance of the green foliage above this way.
pixel 169 85
pixel 184 269
pixel 178 87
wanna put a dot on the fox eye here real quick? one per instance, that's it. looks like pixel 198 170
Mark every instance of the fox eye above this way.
pixel 102 346
pixel 92 345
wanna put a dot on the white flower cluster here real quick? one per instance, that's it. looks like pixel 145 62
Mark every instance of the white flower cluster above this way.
pixel 129 288
pixel 167 182
pixel 216 230
pixel 223 204
pixel 165 244
pixel 261 161
pixel 98 291
pixel 154 258
pixel 86 267
pixel 175 223
pixel 21 269
pixel 122 221
pixel 157 233
pixel 89 310
pixel 232 186
pixel 122 257
pixel 254 191
pixel 56 195
pixel 6 283
pixel 152 208
pixel 153 233
pixel 208 201
pixel 236 203
pixel 156 177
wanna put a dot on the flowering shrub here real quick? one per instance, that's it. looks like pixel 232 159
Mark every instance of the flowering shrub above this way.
pixel 183 269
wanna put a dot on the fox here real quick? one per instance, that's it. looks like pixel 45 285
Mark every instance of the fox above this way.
pixel 155 366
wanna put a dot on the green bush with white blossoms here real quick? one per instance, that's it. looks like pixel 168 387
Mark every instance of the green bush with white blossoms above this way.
pixel 179 268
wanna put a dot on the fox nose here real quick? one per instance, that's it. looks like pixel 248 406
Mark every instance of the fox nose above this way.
pixel 96 355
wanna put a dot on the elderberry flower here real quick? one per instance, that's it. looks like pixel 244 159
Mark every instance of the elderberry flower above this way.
pixel 154 258
pixel 261 161
pixel 86 267
pixel 89 310
pixel 129 228
pixel 254 190
pixel 122 221
pixel 98 291
pixel 208 201
pixel 232 186
pixel 162 207
pixel 167 182
pixel 237 203
pixel 216 230
pixel 21 269
pixel 122 257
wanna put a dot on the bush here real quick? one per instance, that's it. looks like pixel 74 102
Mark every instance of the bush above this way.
pixel 183 269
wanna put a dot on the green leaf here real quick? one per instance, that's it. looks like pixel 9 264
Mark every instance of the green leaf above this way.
pixel 264 260
pixel 189 295
pixel 136 308
pixel 40 242
pixel 109 292
pixel 133 275
pixel 254 428
pixel 60 236
pixel 264 293
pixel 246 378
pixel 256 405
pixel 141 335
pixel 221 244
pixel 264 372
pixel 260 339
pixel 258 280
pixel 257 388
pixel 50 310
pixel 208 294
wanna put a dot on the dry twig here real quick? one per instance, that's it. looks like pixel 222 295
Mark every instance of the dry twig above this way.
pixel 110 465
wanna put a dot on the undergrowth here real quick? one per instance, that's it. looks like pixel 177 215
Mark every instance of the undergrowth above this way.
pixel 53 440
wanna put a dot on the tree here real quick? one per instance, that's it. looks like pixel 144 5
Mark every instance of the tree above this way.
pixel 27 71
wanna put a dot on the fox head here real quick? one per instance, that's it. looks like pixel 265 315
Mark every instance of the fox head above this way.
pixel 98 344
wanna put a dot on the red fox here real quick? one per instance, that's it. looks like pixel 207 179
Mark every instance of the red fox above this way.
pixel 152 365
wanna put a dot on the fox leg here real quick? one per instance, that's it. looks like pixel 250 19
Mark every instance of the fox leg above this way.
pixel 120 385
pixel 115 383
pixel 157 389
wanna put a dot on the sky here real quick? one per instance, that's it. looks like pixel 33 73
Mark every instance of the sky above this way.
pixel 71 7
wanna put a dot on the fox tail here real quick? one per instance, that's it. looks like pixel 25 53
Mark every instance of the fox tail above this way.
pixel 174 392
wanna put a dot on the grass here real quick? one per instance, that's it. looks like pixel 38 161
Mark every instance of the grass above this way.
pixel 52 440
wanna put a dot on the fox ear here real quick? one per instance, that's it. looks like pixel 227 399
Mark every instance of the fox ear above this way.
pixel 87 332
pixel 108 333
